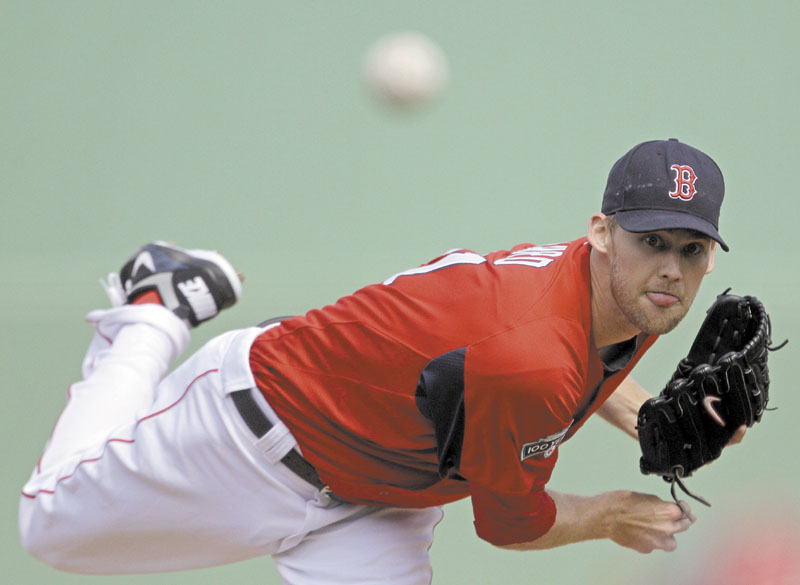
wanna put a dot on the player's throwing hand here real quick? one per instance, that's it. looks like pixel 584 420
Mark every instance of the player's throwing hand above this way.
pixel 645 522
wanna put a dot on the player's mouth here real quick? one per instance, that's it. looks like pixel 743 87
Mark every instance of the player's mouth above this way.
pixel 662 299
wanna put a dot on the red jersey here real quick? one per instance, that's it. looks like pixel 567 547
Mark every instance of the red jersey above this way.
pixel 458 378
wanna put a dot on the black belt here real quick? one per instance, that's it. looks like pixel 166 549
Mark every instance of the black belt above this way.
pixel 257 421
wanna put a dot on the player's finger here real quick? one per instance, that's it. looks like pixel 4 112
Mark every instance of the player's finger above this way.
pixel 670 543
pixel 738 435
pixel 683 510
pixel 683 525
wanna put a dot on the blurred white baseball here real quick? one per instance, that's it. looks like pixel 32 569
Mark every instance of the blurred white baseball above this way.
pixel 405 69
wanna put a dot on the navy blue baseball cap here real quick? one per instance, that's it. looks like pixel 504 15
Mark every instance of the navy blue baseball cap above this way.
pixel 666 184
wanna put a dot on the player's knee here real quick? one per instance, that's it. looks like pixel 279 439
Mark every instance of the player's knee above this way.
pixel 31 534
pixel 43 539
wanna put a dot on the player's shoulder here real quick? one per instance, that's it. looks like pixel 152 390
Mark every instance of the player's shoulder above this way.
pixel 537 255
pixel 537 271
pixel 539 367
pixel 543 281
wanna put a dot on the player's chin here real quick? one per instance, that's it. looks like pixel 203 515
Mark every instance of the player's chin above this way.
pixel 662 320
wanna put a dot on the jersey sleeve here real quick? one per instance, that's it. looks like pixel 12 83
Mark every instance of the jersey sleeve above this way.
pixel 504 519
pixel 521 390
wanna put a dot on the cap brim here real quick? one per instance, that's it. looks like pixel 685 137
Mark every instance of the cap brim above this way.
pixel 652 220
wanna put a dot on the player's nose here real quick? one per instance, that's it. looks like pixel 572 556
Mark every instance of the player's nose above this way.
pixel 670 267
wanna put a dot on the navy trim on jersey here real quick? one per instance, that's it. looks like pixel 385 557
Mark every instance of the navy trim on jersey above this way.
pixel 617 357
pixel 274 320
pixel 440 398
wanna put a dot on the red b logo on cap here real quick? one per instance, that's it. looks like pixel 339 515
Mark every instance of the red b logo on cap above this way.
pixel 684 182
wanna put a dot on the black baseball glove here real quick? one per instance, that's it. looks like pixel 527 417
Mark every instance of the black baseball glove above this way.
pixel 721 385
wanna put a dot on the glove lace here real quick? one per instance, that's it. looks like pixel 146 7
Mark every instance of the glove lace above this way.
pixel 675 479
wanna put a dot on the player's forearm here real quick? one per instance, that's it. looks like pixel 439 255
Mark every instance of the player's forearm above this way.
pixel 578 518
pixel 641 522
pixel 622 407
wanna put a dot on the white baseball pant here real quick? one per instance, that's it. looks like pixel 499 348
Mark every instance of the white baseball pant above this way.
pixel 146 473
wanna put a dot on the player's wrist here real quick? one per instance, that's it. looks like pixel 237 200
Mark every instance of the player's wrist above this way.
pixel 613 507
pixel 589 516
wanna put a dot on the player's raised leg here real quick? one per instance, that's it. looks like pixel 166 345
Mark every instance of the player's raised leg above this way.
pixel 166 291
pixel 98 437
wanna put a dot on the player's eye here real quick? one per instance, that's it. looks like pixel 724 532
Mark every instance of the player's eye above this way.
pixel 693 249
pixel 653 240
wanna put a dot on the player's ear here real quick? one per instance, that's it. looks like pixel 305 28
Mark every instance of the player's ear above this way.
pixel 711 257
pixel 599 232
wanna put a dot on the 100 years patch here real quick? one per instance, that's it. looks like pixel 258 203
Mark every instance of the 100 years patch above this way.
pixel 543 447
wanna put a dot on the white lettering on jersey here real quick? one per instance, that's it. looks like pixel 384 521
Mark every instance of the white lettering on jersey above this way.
pixel 535 256
pixel 199 297
pixel 451 259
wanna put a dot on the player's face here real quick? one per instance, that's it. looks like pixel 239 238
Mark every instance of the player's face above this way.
pixel 655 275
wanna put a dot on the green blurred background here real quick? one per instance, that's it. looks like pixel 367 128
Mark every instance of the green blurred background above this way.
pixel 245 126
